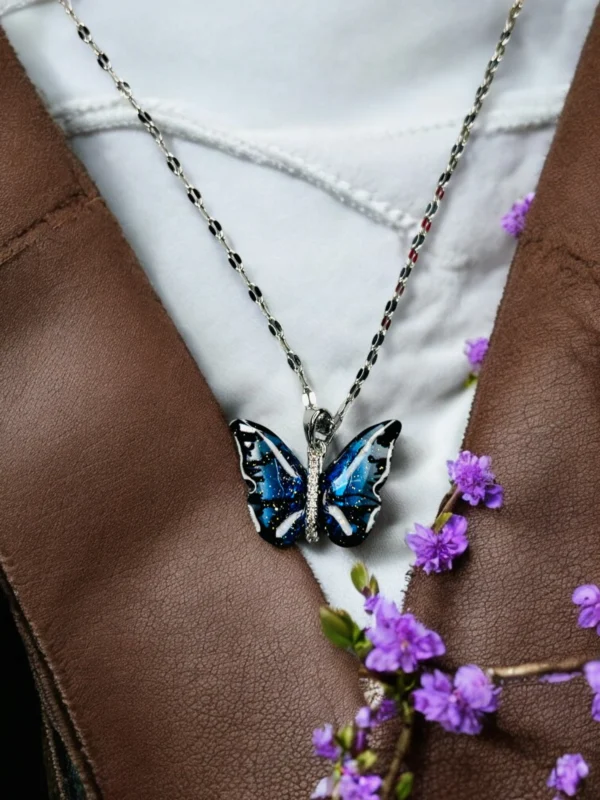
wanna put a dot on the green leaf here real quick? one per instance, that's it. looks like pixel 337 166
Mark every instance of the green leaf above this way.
pixel 374 585
pixel 338 626
pixel 366 760
pixel 440 521
pixel 362 646
pixel 345 736
pixel 471 380
pixel 404 786
pixel 360 576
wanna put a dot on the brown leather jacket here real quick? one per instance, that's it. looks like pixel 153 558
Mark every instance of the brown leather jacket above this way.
pixel 176 655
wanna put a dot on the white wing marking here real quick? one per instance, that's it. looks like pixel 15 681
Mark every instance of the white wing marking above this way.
pixel 287 524
pixel 354 465
pixel 340 518
pixel 254 518
pixel 276 452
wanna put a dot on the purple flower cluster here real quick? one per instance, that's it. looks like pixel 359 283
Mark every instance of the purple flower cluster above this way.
pixel 457 705
pixel 514 221
pixel 473 477
pixel 567 775
pixel 476 351
pixel 348 783
pixel 588 597
pixel 592 675
pixel 324 743
pixel 571 769
pixel 436 551
pixel 400 641
pixel 437 547
pixel 367 718
pixel 354 786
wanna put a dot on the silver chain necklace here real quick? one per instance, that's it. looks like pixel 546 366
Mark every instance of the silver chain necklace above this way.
pixel 284 499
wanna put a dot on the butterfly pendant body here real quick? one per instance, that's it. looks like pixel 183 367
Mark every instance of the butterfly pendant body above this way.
pixel 346 493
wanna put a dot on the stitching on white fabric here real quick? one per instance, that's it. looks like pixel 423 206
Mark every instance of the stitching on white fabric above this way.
pixel 518 113
pixel 6 6
pixel 81 117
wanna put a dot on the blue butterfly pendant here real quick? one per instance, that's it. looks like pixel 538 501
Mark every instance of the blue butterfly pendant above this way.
pixel 286 501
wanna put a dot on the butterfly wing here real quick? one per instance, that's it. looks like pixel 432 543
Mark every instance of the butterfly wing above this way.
pixel 276 483
pixel 352 483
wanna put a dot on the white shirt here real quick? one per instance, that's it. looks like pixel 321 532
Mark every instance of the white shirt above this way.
pixel 316 133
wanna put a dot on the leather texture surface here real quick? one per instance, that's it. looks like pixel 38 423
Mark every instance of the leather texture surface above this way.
pixel 177 654
pixel 537 412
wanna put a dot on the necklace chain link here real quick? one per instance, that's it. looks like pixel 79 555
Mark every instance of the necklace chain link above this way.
pixel 234 258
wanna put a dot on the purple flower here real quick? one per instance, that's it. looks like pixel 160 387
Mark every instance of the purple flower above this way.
pixel 323 789
pixel 401 642
pixel 367 718
pixel 324 744
pixel 387 710
pixel 457 705
pixel 371 603
pixel 559 677
pixel 353 786
pixel 592 675
pixel 514 221
pixel 435 551
pixel 568 773
pixel 475 351
pixel 364 721
pixel 363 717
pixel 473 476
pixel 588 597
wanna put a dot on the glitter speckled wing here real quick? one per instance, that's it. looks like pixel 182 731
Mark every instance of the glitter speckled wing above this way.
pixel 352 483
pixel 276 483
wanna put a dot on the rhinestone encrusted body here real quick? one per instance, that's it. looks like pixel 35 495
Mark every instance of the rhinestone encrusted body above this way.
pixel 315 464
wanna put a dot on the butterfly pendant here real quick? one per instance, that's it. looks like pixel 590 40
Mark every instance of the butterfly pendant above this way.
pixel 286 501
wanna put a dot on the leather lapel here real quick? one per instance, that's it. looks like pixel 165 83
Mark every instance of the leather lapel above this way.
pixel 537 413
pixel 176 654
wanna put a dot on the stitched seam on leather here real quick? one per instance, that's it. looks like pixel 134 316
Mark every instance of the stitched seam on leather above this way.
pixel 57 217
pixel 81 184
pixel 34 639
pixel 73 195
pixel 555 246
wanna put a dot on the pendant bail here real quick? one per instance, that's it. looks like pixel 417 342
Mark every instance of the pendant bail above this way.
pixel 318 427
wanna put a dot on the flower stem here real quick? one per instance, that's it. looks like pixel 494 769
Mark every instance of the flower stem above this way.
pixel 449 504
pixel 445 510
pixel 400 751
pixel 539 669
